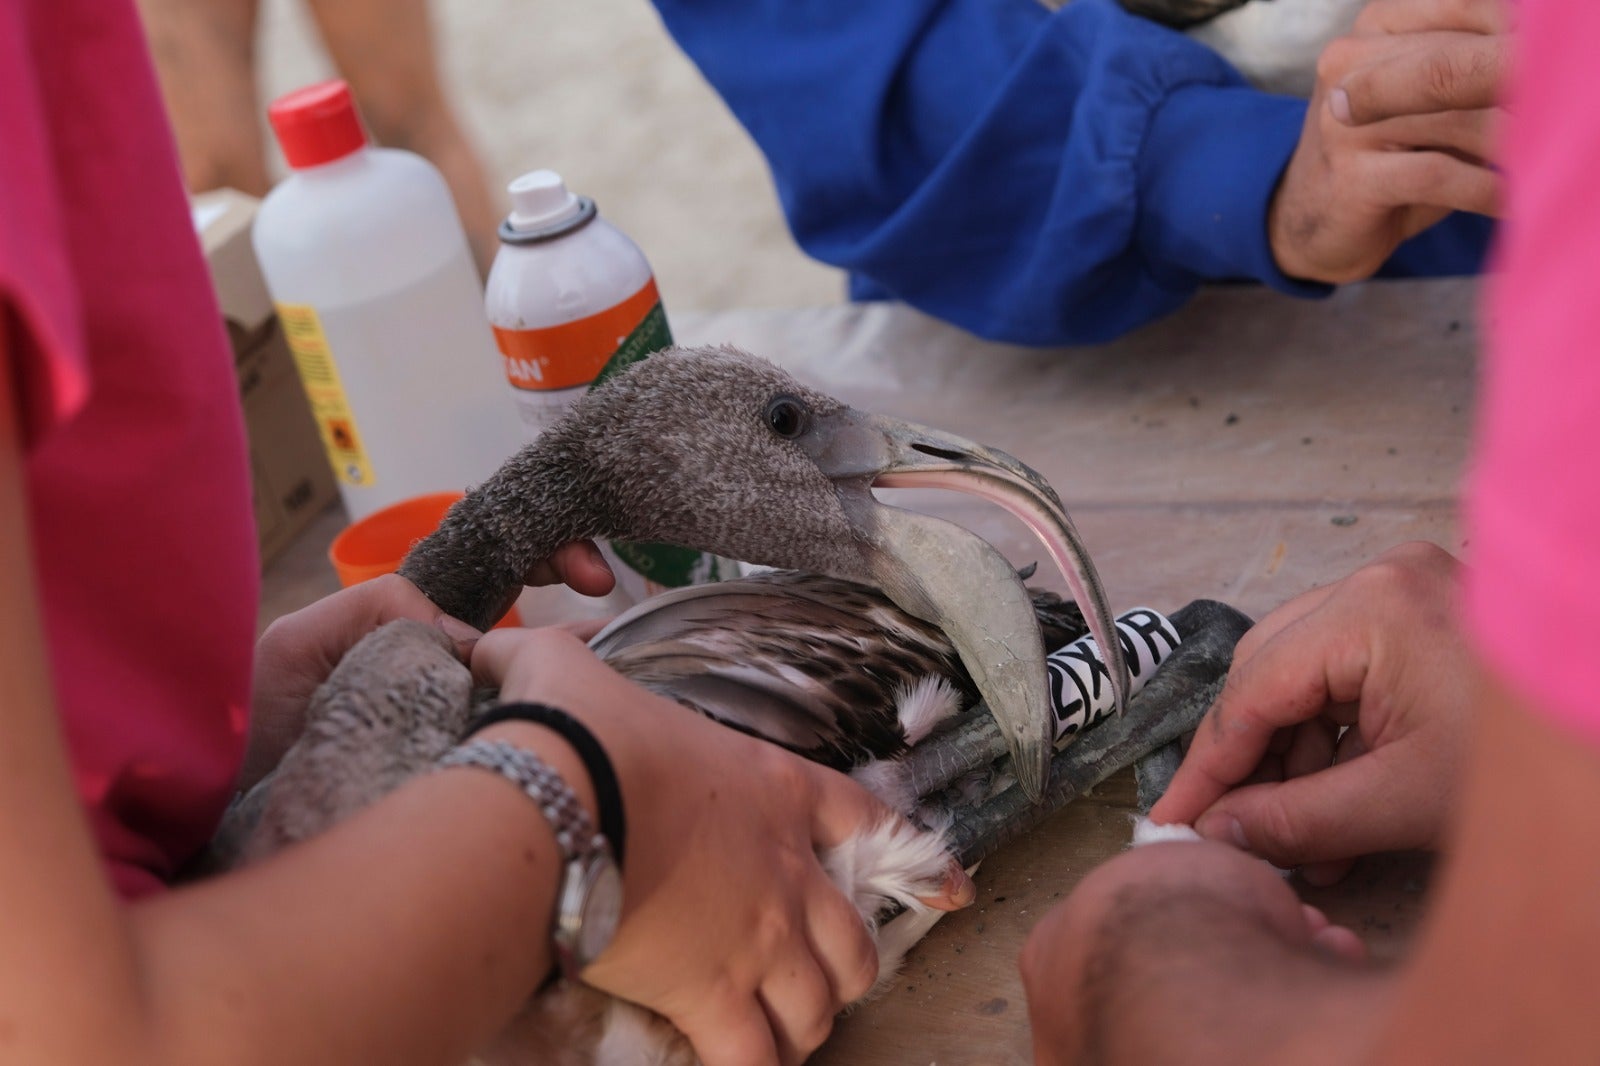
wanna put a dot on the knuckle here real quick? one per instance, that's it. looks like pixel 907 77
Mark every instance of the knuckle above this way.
pixel 1237 705
pixel 786 774
pixel 1235 688
pixel 1372 583
pixel 1432 168
pixel 1416 550
pixel 1382 583
pixel 392 585
pixel 277 634
pixel 1403 579
pixel 1223 719
pixel 1280 833
pixel 793 866
pixel 1483 65
pixel 719 995
pixel 774 927
pixel 1344 161
pixel 550 648
pixel 1421 558
pixel 1442 76
pixel 731 995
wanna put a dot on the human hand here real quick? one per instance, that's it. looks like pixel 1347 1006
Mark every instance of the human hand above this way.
pixel 1398 134
pixel 1379 652
pixel 299 650
pixel 1152 947
pixel 731 928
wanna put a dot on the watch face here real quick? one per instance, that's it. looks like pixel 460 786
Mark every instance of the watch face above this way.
pixel 602 909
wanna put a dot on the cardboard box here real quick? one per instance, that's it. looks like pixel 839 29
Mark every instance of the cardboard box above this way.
pixel 289 468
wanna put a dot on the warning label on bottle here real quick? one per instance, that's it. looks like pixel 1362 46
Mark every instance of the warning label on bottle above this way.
pixel 319 376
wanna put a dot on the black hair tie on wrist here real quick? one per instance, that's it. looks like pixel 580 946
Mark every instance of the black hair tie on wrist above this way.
pixel 607 793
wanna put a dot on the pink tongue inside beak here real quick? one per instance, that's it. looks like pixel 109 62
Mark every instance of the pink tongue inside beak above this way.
pixel 1068 556
pixel 1016 503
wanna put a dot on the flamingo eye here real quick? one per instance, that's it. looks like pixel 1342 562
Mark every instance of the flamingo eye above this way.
pixel 787 417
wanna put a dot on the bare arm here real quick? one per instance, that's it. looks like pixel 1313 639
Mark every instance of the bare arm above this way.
pixel 353 948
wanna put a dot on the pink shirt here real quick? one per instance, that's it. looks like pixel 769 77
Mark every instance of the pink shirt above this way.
pixel 135 462
pixel 1533 514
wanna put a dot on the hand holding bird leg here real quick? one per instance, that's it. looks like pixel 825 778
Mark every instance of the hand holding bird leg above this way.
pixel 299 650
pixel 1269 770
pixel 731 926
pixel 1398 134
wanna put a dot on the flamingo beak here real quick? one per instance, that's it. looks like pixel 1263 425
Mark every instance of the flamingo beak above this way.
pixel 948 576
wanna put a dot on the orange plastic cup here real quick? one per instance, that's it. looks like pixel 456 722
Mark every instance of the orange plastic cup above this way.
pixel 376 545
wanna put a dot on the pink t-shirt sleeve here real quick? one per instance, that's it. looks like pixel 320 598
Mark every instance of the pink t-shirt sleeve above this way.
pixel 1533 502
pixel 45 341
pixel 134 460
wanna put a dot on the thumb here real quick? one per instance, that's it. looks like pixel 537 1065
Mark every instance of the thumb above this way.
pixel 1352 809
pixel 579 565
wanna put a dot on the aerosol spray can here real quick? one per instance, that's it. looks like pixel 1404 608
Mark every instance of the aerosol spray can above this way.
pixel 572 300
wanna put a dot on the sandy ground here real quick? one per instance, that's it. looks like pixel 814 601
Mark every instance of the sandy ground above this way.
pixel 597 90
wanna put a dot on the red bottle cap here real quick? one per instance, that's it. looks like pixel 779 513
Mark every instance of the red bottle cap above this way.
pixel 317 124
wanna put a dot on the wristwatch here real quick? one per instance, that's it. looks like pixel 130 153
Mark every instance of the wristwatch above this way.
pixel 589 903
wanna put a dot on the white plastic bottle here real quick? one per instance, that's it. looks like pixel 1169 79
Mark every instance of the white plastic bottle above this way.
pixel 364 255
pixel 572 300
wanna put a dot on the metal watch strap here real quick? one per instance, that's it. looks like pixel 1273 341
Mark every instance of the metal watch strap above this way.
pixel 607 792
pixel 575 833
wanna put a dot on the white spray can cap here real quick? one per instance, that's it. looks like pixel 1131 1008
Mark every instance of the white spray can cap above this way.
pixel 541 206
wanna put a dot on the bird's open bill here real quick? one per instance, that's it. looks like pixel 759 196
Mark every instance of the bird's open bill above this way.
pixel 947 575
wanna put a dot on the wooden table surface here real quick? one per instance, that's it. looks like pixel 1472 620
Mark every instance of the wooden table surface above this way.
pixel 1246 449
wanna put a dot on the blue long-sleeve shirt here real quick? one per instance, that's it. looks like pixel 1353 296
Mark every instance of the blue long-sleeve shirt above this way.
pixel 1032 176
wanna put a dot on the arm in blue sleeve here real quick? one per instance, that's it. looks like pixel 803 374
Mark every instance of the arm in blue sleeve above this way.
pixel 1032 176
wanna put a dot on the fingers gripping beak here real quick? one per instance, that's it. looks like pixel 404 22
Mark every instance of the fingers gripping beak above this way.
pixel 958 581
